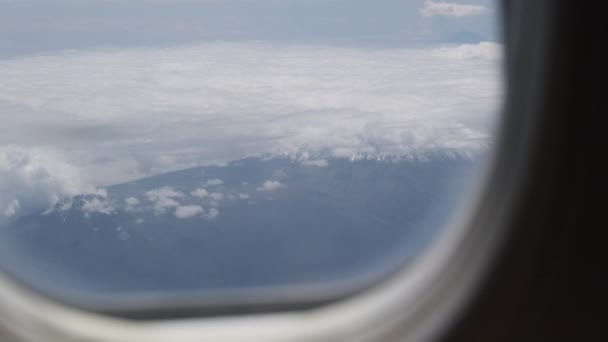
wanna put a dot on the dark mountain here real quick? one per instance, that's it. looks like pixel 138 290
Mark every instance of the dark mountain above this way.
pixel 254 222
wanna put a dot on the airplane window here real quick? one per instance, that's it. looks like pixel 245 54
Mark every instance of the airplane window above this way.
pixel 188 146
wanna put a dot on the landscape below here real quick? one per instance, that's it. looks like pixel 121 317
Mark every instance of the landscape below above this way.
pixel 255 222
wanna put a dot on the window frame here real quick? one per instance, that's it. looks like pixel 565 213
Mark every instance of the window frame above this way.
pixel 417 303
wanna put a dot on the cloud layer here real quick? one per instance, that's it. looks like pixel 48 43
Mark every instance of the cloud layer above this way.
pixel 110 116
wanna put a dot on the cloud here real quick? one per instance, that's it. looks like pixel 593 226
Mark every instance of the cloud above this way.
pixel 451 9
pixel 215 182
pixel 164 198
pixel 97 205
pixel 188 211
pixel 34 180
pixel 162 204
pixel 132 204
pixel 216 196
pixel 12 208
pixel 132 201
pixel 122 234
pixel 164 192
pixel 481 51
pixel 315 162
pixel 213 213
pixel 270 185
pixel 155 110
pixel 102 193
pixel 200 193
pixel 244 196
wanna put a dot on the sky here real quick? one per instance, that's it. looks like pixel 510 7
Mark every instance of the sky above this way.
pixel 33 26
pixel 95 93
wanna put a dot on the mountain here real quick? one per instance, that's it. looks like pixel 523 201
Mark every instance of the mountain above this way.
pixel 253 222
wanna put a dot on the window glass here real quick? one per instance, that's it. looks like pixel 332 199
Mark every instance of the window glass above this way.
pixel 233 144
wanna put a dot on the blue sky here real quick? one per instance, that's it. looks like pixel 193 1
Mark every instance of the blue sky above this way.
pixel 34 26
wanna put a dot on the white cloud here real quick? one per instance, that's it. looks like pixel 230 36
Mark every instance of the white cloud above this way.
pixel 102 193
pixel 215 182
pixel 33 180
pixel 270 185
pixel 12 208
pixel 188 211
pixel 315 162
pixel 451 9
pixel 122 234
pixel 164 198
pixel 216 196
pixel 164 192
pixel 482 51
pixel 127 113
pixel 213 213
pixel 200 193
pixel 132 204
pixel 65 204
pixel 132 201
pixel 244 196
pixel 98 205
pixel 162 204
